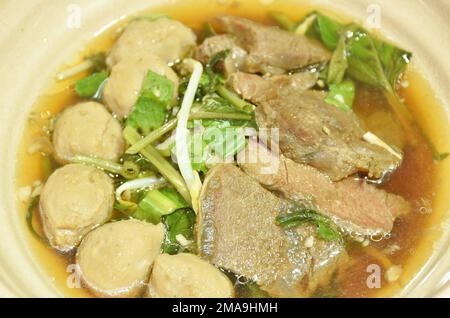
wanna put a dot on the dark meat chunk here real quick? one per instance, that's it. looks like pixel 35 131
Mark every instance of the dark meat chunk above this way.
pixel 211 46
pixel 354 205
pixel 312 131
pixel 237 232
pixel 272 50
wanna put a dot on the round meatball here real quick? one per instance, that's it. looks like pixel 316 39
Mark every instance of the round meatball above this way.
pixel 187 276
pixel 75 199
pixel 115 259
pixel 127 77
pixel 87 129
pixel 168 39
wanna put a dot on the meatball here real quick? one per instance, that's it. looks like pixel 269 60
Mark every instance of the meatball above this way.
pixel 127 77
pixel 115 259
pixel 75 199
pixel 168 39
pixel 187 276
pixel 87 129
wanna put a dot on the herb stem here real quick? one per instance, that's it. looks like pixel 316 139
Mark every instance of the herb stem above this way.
pixel 99 163
pixel 152 137
pixel 161 164
pixel 235 100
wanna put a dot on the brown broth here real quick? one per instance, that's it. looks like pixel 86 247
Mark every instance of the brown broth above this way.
pixel 421 181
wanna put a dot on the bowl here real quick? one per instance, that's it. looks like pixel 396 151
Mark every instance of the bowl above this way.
pixel 37 37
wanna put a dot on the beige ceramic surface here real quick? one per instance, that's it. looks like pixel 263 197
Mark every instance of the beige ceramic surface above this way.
pixel 35 41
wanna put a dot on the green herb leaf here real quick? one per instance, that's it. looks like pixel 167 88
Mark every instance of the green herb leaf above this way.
pixel 326 232
pixel 150 110
pixel 218 139
pixel 300 215
pixel 324 29
pixel 89 86
pixel 369 60
pixel 338 63
pixel 181 222
pixel 342 95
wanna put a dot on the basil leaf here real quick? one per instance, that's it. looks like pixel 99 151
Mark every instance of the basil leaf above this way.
pixel 90 85
pixel 181 222
pixel 342 95
pixel 150 110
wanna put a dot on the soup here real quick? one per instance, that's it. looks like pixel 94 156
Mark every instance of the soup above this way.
pixel 332 200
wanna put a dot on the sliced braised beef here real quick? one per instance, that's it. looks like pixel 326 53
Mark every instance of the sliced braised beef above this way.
pixel 353 205
pixel 235 60
pixel 237 232
pixel 272 50
pixel 312 131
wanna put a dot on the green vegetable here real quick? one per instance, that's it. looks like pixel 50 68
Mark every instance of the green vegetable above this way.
pixel 283 20
pixel 158 203
pixel 219 140
pixel 150 110
pixel 369 60
pixel 342 95
pixel 227 113
pixel 158 161
pixel 235 100
pixel 325 228
pixel 128 170
pixel 29 218
pixel 89 86
pixel 324 29
pixel 208 30
pixel 338 63
pixel 305 24
pixel 181 222
pixel 152 137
